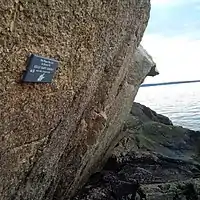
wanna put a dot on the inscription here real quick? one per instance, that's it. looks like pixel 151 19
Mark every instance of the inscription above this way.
pixel 40 69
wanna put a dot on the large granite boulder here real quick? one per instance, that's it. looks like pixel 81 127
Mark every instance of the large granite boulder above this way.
pixel 154 160
pixel 53 136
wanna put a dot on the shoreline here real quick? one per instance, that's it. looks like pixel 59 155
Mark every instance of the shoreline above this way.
pixel 154 160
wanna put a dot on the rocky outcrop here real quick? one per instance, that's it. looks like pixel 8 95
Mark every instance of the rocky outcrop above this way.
pixel 145 114
pixel 154 160
pixel 53 136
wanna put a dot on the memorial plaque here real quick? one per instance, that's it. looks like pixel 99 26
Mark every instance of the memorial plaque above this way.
pixel 40 69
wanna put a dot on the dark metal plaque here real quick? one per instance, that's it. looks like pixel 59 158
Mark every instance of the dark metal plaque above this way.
pixel 40 69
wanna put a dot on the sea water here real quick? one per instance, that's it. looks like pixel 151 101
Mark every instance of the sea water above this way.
pixel 179 102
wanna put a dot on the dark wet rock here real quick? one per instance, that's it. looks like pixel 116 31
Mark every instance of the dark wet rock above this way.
pixel 145 114
pixel 154 160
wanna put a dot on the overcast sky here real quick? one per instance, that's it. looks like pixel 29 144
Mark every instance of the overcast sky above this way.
pixel 173 39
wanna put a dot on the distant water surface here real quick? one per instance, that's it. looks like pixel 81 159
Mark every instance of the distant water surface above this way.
pixel 180 102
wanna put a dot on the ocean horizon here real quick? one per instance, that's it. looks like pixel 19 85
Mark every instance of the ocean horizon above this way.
pixel 168 83
pixel 179 102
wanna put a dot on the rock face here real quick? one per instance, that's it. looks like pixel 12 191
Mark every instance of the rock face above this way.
pixel 53 136
pixel 145 114
pixel 154 160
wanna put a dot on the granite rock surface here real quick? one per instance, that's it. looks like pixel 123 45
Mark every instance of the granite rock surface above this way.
pixel 54 136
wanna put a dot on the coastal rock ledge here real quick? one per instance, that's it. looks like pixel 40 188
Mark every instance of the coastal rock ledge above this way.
pixel 153 160
pixel 54 136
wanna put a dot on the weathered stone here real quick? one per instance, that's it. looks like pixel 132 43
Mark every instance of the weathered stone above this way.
pixel 53 136
pixel 154 160
pixel 145 114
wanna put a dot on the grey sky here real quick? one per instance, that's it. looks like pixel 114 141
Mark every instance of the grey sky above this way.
pixel 173 39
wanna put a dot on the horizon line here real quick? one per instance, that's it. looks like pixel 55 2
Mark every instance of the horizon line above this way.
pixel 168 83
